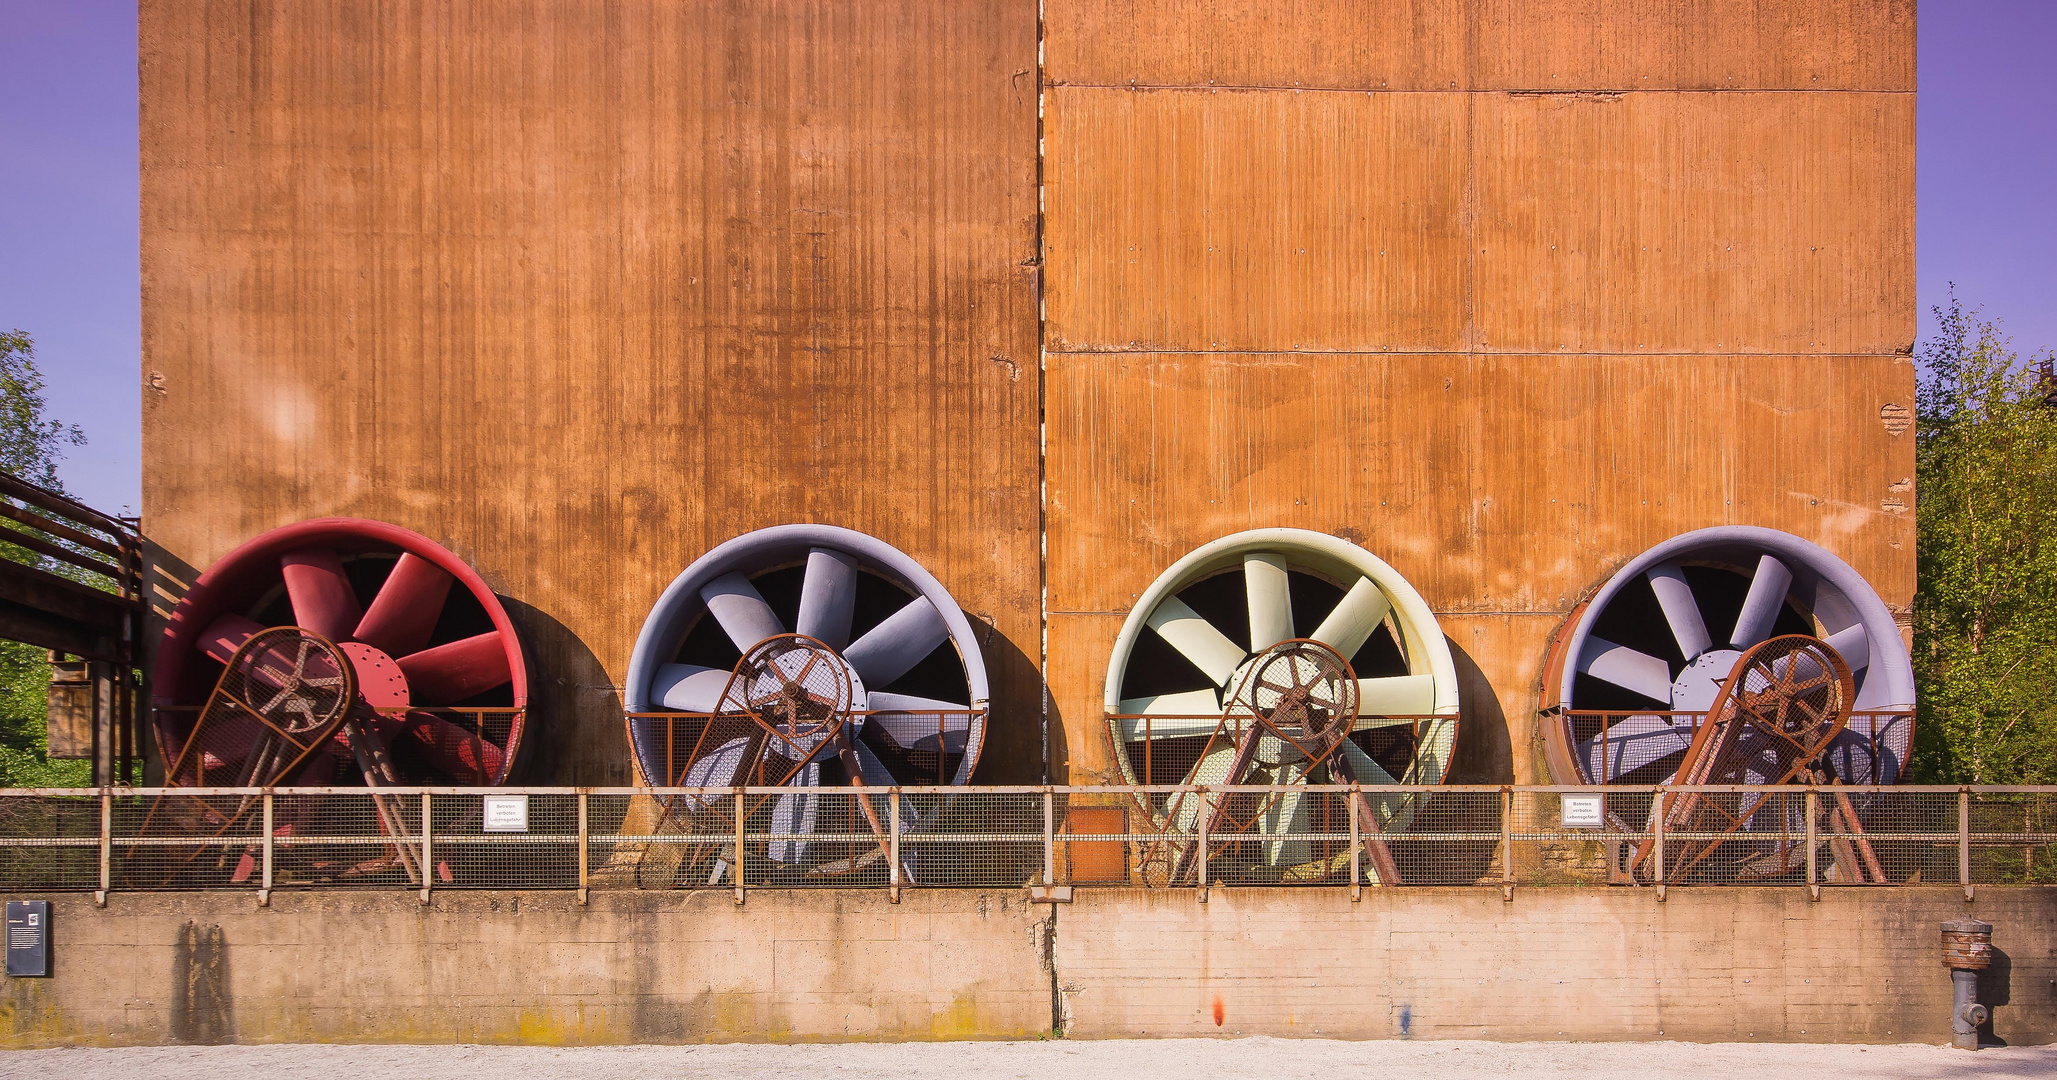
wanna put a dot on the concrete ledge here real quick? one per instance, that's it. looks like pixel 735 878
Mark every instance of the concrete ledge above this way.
pixel 1572 963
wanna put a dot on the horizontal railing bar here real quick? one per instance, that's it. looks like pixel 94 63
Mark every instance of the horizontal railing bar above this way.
pixel 958 791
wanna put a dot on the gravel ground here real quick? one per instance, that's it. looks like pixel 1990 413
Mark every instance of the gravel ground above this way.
pixel 1169 1059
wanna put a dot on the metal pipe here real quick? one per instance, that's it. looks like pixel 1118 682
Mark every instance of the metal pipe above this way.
pixel 893 844
pixel 1967 950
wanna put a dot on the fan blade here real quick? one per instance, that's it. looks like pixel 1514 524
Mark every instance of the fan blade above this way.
pixel 461 669
pixel 224 636
pixel 795 815
pixel 1363 769
pixel 1396 695
pixel 456 753
pixel 741 610
pixel 876 774
pixel 322 597
pixel 720 767
pixel 1288 814
pixel 920 723
pixel 890 649
pixel 1680 609
pixel 1172 716
pixel 828 598
pixel 1625 667
pixel 1196 639
pixel 1853 644
pixel 689 687
pixel 1354 619
pixel 1761 606
pixel 403 615
pixel 1631 744
pixel 1270 597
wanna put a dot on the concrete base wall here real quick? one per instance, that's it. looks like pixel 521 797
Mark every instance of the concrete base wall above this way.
pixel 1589 964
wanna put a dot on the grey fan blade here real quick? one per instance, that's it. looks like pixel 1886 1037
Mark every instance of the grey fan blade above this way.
pixel 1196 639
pixel 828 598
pixel 876 774
pixel 1631 744
pixel 1761 606
pixel 741 611
pixel 891 648
pixel 1853 644
pixel 1625 667
pixel 1266 589
pixel 1680 609
pixel 1866 752
pixel 920 723
pixel 1354 619
pixel 718 769
pixel 689 687
pixel 795 815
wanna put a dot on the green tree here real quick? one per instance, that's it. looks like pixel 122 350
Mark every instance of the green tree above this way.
pixel 1985 604
pixel 31 444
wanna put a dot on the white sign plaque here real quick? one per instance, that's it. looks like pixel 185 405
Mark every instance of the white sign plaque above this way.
pixel 1583 812
pixel 507 813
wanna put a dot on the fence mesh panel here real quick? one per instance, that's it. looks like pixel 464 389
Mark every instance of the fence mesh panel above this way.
pixel 1166 836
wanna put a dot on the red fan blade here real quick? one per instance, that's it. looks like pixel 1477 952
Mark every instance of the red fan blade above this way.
pixel 403 614
pixel 221 640
pixel 456 671
pixel 457 753
pixel 323 600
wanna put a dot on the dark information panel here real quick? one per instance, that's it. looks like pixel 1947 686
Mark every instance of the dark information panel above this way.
pixel 28 937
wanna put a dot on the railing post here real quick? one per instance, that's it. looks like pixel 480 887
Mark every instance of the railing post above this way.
pixel 1964 840
pixel 1657 827
pixel 264 880
pixel 1200 824
pixel 585 857
pixel 1506 843
pixel 1356 843
pixel 1049 836
pixel 736 868
pixel 106 846
pixel 428 856
pixel 1813 842
pixel 893 845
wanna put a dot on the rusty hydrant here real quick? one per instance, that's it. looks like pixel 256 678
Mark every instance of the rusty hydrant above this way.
pixel 1967 950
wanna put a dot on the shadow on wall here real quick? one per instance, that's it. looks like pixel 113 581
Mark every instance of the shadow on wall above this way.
pixel 1013 753
pixel 166 580
pixel 1484 754
pixel 1995 988
pixel 575 735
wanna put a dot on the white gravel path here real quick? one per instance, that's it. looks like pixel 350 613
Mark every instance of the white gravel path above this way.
pixel 1170 1059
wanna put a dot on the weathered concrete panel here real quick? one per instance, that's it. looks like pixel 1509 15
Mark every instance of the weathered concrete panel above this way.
pixel 580 289
pixel 1503 487
pixel 1589 964
pixel 1573 963
pixel 1484 44
pixel 537 968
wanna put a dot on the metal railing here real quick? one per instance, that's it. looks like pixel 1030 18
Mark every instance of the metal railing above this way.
pixel 429 838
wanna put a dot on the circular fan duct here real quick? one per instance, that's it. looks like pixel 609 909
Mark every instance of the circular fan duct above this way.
pixel 1186 693
pixel 902 684
pixel 1631 676
pixel 437 677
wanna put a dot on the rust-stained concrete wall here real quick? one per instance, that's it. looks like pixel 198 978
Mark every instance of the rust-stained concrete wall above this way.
pixel 1590 964
pixel 582 288
pixel 537 968
pixel 1504 290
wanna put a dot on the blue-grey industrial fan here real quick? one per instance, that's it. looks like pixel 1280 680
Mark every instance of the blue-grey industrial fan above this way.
pixel 809 657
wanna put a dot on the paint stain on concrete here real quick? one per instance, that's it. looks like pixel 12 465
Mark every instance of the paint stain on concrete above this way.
pixel 200 1006
pixel 1406 1020
pixel 1219 1012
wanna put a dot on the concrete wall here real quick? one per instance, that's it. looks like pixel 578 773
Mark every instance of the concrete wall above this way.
pixel 1592 964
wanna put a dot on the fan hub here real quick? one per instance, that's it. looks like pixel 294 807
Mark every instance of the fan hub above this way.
pixel 1700 683
pixel 380 683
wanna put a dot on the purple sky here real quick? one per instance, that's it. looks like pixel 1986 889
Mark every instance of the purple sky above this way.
pixel 1987 219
